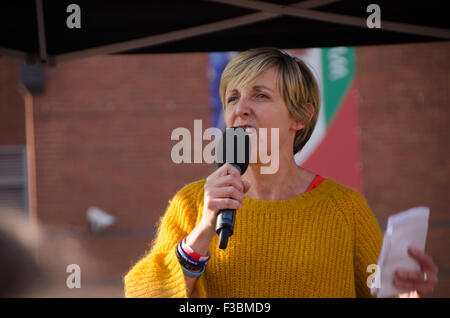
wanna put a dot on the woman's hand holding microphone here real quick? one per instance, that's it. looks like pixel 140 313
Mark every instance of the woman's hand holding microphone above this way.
pixel 223 189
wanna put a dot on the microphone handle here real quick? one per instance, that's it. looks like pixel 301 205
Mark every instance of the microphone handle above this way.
pixel 225 226
pixel 223 238
pixel 225 222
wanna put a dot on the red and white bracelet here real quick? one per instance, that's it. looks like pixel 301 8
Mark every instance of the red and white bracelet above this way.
pixel 192 254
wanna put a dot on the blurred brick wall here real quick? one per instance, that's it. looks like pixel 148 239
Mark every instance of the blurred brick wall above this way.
pixel 103 138
pixel 12 111
pixel 405 120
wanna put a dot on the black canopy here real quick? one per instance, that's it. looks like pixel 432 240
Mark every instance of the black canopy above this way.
pixel 37 32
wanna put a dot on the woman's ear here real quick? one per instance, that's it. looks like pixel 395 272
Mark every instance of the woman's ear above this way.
pixel 298 124
pixel 311 111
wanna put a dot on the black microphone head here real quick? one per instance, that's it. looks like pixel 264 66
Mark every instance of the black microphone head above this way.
pixel 234 148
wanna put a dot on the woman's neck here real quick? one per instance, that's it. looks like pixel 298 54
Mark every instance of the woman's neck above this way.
pixel 289 181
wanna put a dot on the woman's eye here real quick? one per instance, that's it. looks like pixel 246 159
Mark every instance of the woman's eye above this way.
pixel 261 96
pixel 232 99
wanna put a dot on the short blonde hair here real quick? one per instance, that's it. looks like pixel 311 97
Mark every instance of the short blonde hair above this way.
pixel 296 83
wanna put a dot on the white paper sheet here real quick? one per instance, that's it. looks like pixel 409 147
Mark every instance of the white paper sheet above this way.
pixel 404 229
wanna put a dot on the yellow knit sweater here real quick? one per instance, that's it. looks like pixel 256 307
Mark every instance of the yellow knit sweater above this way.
pixel 318 244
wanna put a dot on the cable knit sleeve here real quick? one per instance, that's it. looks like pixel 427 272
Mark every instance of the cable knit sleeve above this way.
pixel 368 240
pixel 159 274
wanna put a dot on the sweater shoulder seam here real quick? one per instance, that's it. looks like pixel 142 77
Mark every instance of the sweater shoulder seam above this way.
pixel 344 192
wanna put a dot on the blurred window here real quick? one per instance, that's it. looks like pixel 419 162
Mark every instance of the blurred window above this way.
pixel 13 178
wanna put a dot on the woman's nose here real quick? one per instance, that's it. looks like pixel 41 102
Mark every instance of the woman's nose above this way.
pixel 243 108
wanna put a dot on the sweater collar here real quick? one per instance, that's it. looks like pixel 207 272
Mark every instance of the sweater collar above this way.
pixel 306 196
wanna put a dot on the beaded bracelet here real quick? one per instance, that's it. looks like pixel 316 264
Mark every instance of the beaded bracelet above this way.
pixel 193 274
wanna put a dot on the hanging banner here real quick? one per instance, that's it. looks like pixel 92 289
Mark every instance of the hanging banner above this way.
pixel 334 149
pixel 217 62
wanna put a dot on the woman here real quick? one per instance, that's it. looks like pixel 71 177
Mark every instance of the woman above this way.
pixel 296 233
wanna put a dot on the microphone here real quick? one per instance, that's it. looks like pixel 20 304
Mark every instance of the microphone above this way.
pixel 234 148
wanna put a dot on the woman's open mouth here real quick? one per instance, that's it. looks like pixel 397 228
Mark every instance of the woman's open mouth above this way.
pixel 250 130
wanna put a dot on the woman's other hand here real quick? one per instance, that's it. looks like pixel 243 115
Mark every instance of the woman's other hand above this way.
pixel 418 283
